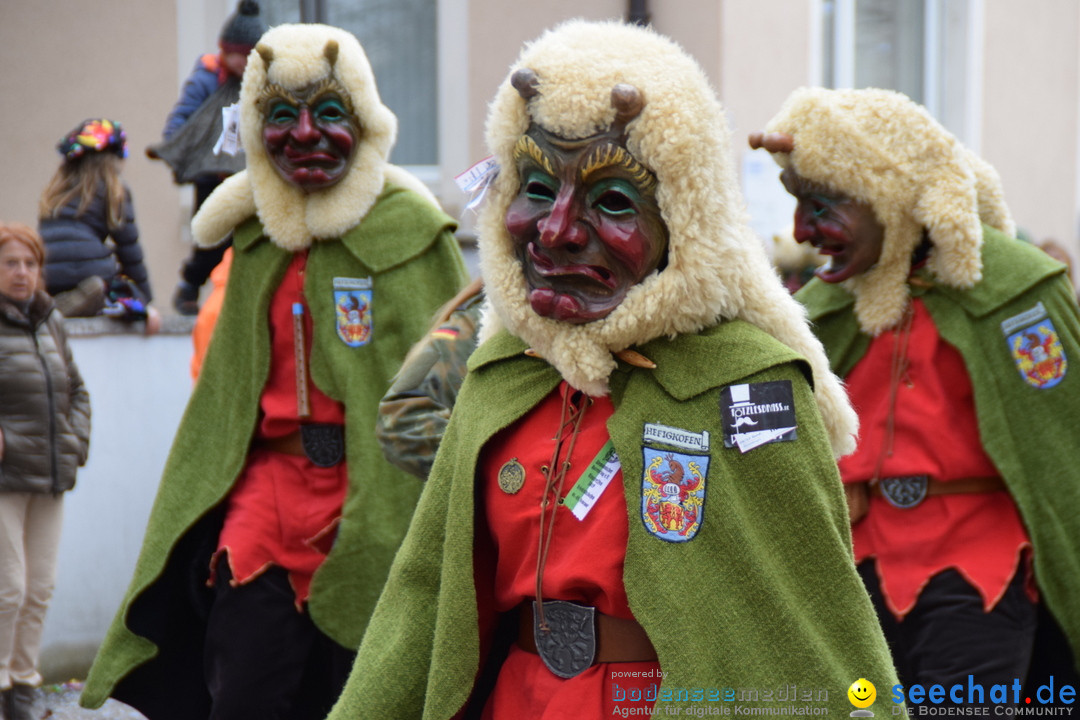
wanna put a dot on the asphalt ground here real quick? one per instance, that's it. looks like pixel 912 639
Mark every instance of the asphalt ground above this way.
pixel 62 703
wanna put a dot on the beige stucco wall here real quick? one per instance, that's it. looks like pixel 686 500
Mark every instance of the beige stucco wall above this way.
pixel 760 68
pixel 1030 111
pixel 66 60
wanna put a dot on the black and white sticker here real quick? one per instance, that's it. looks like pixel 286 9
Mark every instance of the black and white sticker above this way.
pixel 755 414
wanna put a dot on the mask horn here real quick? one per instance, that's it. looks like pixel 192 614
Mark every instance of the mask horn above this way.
pixel 775 142
pixel 628 102
pixel 331 52
pixel 266 53
pixel 526 82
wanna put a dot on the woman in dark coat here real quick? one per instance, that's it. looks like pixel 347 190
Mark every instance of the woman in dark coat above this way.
pixel 44 438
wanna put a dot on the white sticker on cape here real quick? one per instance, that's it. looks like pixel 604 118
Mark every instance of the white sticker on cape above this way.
pixel 756 414
pixel 593 482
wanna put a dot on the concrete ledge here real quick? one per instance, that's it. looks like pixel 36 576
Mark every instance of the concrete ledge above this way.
pixel 98 326
pixel 139 388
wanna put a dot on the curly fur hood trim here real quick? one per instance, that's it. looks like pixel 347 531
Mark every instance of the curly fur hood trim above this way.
pixel 292 218
pixel 716 267
pixel 233 202
pixel 881 148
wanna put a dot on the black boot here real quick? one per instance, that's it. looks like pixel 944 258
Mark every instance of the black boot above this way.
pixel 186 298
pixel 25 703
pixel 5 703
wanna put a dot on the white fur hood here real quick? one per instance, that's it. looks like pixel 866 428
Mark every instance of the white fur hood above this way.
pixel 294 57
pixel 716 267
pixel 879 147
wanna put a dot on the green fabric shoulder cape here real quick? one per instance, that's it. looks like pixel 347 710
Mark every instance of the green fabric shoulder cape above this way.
pixel 762 602
pixel 1029 432
pixel 407 249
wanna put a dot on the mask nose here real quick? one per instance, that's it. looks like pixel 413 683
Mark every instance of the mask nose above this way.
pixel 562 227
pixel 804 226
pixel 305 132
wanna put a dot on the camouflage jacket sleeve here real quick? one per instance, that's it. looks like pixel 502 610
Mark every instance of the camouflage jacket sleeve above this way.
pixel 413 414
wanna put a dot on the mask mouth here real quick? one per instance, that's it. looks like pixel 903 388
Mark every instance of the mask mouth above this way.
pixel 546 268
pixel 311 157
pixel 834 269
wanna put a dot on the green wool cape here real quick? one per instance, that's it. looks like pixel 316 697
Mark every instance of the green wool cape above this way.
pixel 407 248
pixel 1030 433
pixel 764 602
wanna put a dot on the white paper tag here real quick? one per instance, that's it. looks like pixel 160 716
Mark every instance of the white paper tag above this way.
pixel 229 140
pixel 476 180
pixel 593 482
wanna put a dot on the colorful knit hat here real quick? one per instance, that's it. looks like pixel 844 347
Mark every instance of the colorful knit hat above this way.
pixel 94 135
pixel 243 28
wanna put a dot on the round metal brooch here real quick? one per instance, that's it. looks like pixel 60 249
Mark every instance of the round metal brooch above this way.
pixel 511 476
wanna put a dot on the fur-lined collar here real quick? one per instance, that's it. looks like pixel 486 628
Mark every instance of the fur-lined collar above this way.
pixel 233 202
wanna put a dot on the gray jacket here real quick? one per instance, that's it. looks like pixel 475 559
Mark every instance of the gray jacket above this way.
pixel 44 406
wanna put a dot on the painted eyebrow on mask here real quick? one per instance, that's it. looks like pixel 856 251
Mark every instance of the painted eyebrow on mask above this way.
pixel 527 148
pixel 309 95
pixel 613 155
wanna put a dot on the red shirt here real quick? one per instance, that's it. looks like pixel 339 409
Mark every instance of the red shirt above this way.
pixel 935 433
pixel 584 565
pixel 283 509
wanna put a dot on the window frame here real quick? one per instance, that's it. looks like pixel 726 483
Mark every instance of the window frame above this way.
pixel 963 29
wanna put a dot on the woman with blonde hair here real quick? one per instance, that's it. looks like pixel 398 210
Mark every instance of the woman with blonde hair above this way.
pixel 87 221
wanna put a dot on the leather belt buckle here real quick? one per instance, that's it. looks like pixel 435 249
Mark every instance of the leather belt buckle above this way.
pixel 568 645
pixel 324 444
pixel 904 492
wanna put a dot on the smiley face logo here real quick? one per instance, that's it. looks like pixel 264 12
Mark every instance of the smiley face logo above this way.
pixel 862 693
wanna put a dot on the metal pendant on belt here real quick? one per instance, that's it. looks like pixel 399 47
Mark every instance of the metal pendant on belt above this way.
pixel 324 445
pixel 568 644
pixel 904 492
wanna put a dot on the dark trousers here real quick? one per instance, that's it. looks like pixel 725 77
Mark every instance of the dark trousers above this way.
pixel 265 660
pixel 947 636
pixel 1052 665
pixel 202 261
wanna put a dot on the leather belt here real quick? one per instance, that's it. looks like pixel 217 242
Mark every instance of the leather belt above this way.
pixel 321 443
pixel 949 487
pixel 291 444
pixel 908 492
pixel 617 639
